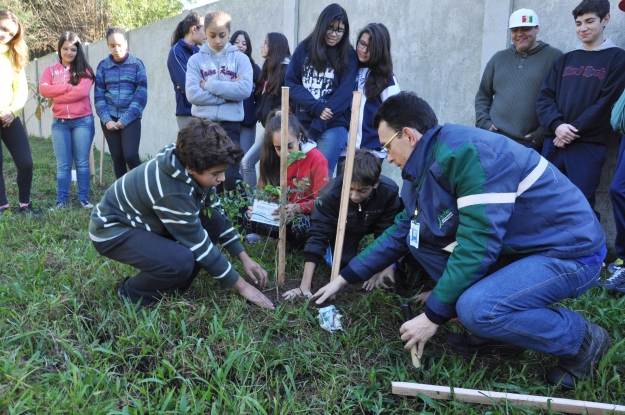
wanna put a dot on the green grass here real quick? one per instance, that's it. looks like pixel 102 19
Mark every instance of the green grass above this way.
pixel 68 346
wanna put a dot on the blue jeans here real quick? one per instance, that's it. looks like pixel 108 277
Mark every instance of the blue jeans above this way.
pixel 72 143
pixel 330 143
pixel 617 196
pixel 248 164
pixel 513 304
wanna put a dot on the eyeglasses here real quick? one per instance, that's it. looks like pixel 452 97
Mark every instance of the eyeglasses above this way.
pixel 339 32
pixel 362 45
pixel 385 146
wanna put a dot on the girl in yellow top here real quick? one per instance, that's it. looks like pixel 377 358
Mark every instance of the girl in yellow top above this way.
pixel 13 95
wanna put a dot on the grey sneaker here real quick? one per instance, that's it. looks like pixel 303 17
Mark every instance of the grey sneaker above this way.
pixel 616 282
pixel 86 204
pixel 60 206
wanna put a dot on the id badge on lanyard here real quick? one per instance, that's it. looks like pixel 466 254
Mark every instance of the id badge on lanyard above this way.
pixel 414 230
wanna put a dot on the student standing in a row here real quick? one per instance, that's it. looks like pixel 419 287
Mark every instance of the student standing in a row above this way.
pixel 219 78
pixel 68 83
pixel 185 42
pixel 13 95
pixel 321 78
pixel 121 93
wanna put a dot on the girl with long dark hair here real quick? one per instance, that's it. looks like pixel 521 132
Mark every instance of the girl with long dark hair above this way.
pixel 321 79
pixel 13 95
pixel 275 50
pixel 185 42
pixel 121 94
pixel 375 80
pixel 68 84
pixel 241 40
pixel 305 177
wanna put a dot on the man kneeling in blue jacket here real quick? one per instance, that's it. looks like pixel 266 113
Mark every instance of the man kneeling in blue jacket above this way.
pixel 503 232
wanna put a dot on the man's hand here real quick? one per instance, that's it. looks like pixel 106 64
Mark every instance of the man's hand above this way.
pixel 252 294
pixel 111 125
pixel 417 331
pixel 326 114
pixel 253 269
pixel 379 279
pixel 330 289
pixel 493 128
pixel 565 133
pixel 421 298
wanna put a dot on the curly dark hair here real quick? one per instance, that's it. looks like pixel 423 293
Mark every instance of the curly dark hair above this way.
pixel 600 7
pixel 204 144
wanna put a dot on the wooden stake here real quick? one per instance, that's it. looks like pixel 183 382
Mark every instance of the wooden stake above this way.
pixel 347 180
pixel 92 163
pixel 569 406
pixel 284 156
pixel 102 142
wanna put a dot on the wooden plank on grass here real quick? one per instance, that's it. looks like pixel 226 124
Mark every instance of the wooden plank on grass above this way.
pixel 569 406
pixel 284 156
pixel 347 180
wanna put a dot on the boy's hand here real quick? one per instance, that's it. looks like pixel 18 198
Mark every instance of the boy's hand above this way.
pixel 329 289
pixel 296 292
pixel 253 269
pixel 566 133
pixel 421 298
pixel 252 294
pixel 379 279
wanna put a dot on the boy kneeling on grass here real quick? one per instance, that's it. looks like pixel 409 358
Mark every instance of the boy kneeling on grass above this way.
pixel 373 203
pixel 164 218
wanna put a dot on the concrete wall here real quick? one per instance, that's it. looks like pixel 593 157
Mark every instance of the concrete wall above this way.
pixel 439 48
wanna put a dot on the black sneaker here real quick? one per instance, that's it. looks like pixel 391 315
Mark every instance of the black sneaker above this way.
pixel 121 291
pixel 85 204
pixel 4 209
pixel 469 345
pixel 595 344
pixel 28 209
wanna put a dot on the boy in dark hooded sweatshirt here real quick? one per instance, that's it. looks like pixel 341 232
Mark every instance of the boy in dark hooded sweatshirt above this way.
pixel 575 100
pixel 165 219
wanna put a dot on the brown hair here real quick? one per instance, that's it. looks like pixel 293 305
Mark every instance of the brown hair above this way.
pixel 367 168
pixel 203 144
pixel 599 7
pixel 269 159
pixel 18 51
pixel 218 17
pixel 80 68
pixel 191 20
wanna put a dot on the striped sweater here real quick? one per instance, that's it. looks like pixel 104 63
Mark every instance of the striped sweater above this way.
pixel 160 197
pixel 121 90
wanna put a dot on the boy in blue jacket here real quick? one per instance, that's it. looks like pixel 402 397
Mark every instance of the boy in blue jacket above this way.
pixel 164 218
pixel 503 233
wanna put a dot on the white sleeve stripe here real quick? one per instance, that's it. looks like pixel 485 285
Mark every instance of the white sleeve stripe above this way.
pixel 533 176
pixel 234 238
pixel 229 230
pixel 492 198
pixel 193 248
pixel 158 180
pixel 210 248
pixel 451 246
pixel 147 186
pixel 126 196
pixel 486 199
pixel 224 274
pixel 175 212
pixel 180 222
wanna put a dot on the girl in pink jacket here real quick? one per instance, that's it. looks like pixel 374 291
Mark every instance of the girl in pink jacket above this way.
pixel 68 83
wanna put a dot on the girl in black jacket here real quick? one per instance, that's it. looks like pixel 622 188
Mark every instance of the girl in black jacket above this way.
pixel 269 85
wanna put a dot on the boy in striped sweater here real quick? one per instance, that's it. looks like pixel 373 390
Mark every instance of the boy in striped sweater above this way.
pixel 164 218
